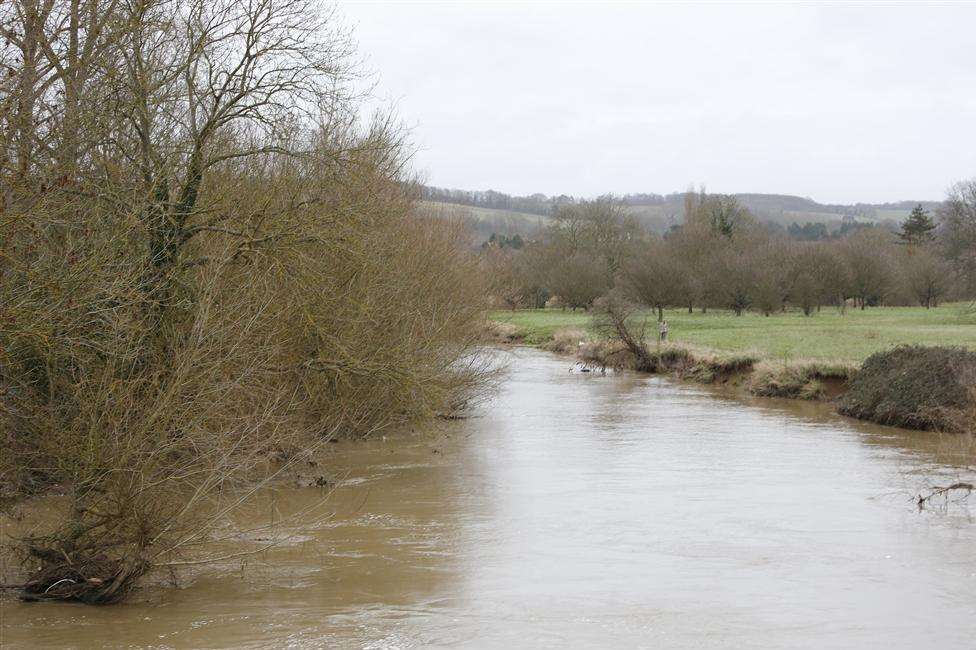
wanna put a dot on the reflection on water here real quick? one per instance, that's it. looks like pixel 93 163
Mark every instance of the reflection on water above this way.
pixel 591 511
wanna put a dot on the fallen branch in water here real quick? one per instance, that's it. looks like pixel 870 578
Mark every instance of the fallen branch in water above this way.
pixel 939 491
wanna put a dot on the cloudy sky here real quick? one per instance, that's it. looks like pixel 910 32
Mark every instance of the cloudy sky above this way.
pixel 871 103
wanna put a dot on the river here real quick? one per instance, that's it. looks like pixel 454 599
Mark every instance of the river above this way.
pixel 581 510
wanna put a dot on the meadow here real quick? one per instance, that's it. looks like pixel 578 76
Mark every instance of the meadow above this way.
pixel 828 335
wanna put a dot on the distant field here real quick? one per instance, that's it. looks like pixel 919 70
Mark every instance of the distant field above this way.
pixel 827 335
pixel 894 215
pixel 792 216
pixel 485 213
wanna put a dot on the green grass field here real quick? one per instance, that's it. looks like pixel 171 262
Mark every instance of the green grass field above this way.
pixel 827 335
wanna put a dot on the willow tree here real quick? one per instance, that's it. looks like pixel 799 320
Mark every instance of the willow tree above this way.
pixel 207 260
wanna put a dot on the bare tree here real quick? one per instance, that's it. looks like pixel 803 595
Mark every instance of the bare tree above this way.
pixel 602 228
pixel 925 274
pixel 578 280
pixel 770 259
pixel 504 271
pixel 957 218
pixel 620 319
pixel 699 250
pixel 867 256
pixel 722 214
pixel 655 277
pixel 809 273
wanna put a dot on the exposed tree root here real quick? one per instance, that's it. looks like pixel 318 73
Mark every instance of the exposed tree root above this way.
pixel 96 580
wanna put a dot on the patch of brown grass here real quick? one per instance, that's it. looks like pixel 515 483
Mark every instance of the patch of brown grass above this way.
pixel 807 379
pixel 498 332
pixel 566 341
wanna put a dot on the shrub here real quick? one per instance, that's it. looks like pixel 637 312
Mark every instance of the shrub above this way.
pixel 919 387
pixel 619 320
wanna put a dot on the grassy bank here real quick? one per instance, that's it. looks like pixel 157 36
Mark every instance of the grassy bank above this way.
pixel 828 335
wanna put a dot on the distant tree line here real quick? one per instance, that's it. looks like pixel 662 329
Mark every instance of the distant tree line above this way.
pixel 540 204
pixel 722 257
pixel 818 231
pixel 534 204
pixel 659 212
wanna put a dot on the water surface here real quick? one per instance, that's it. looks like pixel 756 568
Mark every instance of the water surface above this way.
pixel 580 510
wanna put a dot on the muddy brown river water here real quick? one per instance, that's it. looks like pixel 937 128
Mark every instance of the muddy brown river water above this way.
pixel 580 510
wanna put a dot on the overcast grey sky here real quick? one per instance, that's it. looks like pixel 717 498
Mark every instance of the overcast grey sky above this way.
pixel 871 103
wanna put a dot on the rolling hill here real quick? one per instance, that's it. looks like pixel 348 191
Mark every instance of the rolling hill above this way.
pixel 490 211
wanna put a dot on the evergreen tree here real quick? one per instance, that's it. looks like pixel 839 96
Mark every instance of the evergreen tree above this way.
pixel 918 228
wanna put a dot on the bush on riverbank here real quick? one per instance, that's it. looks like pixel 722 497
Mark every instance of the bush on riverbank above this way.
pixel 684 362
pixel 917 387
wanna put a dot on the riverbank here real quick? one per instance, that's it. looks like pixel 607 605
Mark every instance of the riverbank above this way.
pixel 808 379
pixel 827 335
pixel 787 355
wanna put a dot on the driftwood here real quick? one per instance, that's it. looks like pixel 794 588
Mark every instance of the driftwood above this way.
pixel 940 491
